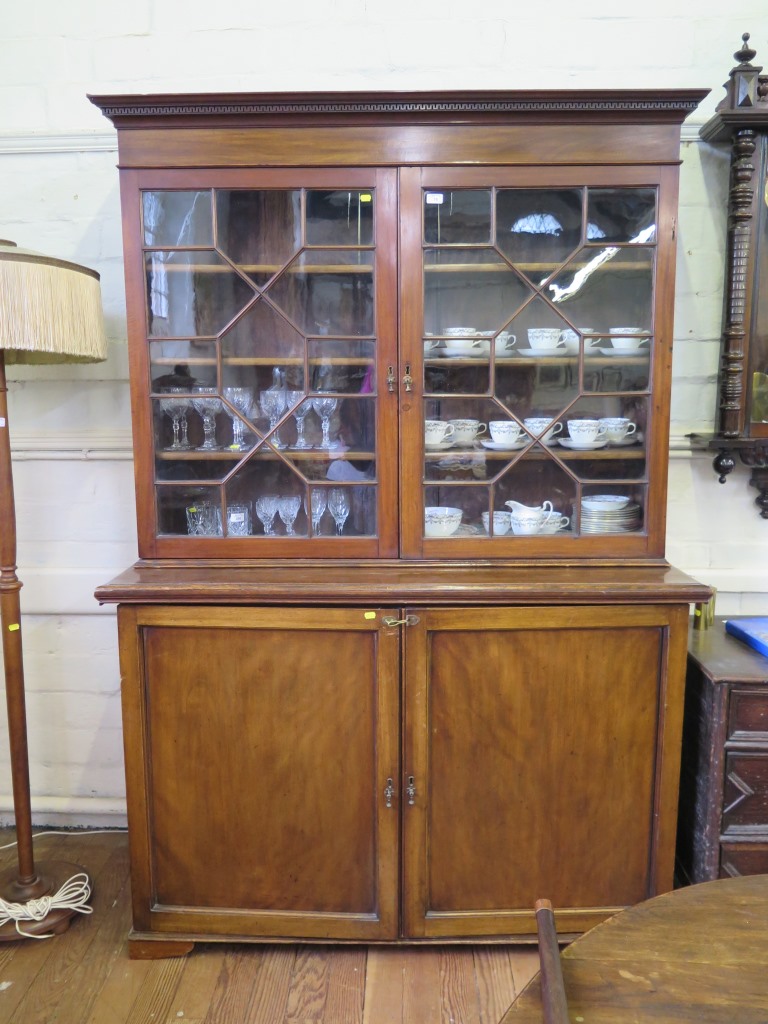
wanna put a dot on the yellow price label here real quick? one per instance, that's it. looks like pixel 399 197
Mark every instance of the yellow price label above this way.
pixel 365 197
pixel 13 627
pixel 369 615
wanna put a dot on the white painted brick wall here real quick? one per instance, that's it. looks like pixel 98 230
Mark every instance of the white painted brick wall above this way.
pixel 70 425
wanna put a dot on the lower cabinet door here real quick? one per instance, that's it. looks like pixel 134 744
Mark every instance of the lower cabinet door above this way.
pixel 258 747
pixel 543 745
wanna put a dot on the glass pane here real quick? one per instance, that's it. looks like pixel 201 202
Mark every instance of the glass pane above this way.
pixel 341 431
pixel 538 492
pixel 454 511
pixel 177 218
pixel 537 229
pixel 182 364
pixel 340 217
pixel 604 439
pixel 346 366
pixel 757 381
pixel 189 510
pixel 603 287
pixel 457 217
pixel 614 509
pixel 467 291
pixel 262 338
pixel 192 293
pixel 258 230
pixel 621 215
pixel 328 292
pixel 456 375
pixel 615 369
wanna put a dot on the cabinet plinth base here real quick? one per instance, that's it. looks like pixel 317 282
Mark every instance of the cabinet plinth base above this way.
pixel 142 947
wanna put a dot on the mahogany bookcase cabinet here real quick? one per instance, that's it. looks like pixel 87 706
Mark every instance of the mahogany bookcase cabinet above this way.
pixel 402 652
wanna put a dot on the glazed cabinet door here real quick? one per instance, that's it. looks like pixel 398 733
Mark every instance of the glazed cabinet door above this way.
pixel 543 754
pixel 263 344
pixel 537 328
pixel 262 757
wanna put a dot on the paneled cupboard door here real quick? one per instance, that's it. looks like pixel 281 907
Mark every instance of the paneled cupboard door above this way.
pixel 268 347
pixel 544 763
pixel 537 338
pixel 262 782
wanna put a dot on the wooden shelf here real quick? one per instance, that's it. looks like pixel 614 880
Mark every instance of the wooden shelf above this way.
pixel 264 454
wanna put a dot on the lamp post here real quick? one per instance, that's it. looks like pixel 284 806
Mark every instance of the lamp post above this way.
pixel 50 312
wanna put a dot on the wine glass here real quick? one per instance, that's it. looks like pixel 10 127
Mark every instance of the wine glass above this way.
pixel 242 400
pixel 294 398
pixel 288 508
pixel 315 506
pixel 325 408
pixel 273 404
pixel 207 403
pixel 266 510
pixel 338 506
pixel 176 408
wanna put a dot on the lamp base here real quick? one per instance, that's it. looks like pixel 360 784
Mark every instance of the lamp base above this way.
pixel 52 875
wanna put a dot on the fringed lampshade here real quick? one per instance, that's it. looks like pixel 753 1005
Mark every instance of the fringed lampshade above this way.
pixel 50 312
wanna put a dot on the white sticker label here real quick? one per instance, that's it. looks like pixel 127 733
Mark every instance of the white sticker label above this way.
pixel 2 421
pixel 237 517
pixel 434 198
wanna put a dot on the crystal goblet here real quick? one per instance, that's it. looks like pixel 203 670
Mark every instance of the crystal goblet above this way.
pixel 266 510
pixel 242 400
pixel 273 404
pixel 315 506
pixel 325 408
pixel 176 408
pixel 207 403
pixel 288 508
pixel 300 409
pixel 338 506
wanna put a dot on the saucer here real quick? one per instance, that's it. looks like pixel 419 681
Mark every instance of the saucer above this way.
pixel 502 446
pixel 581 446
pixel 622 352
pixel 441 446
pixel 625 441
pixel 542 352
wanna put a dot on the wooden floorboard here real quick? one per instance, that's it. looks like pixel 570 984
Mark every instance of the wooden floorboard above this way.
pixel 85 976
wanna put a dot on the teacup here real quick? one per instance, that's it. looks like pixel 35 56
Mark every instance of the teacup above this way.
pixel 570 339
pixel 467 346
pixel 501 522
pixel 465 431
pixel 618 427
pixel 627 338
pixel 504 431
pixel 460 332
pixel 585 431
pixel 555 523
pixel 505 342
pixel 535 424
pixel 545 337
pixel 435 431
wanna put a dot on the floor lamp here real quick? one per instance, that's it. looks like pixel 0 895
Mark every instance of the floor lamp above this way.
pixel 50 312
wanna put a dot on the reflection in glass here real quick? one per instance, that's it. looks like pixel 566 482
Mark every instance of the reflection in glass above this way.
pixel 538 228
pixel 606 286
pixel 190 294
pixel 340 218
pixel 328 292
pixel 174 219
pixel 622 215
pixel 457 216
pixel 258 229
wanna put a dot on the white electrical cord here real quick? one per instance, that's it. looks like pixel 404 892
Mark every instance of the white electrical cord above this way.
pixel 73 895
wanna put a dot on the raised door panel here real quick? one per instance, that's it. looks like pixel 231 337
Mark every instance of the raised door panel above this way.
pixel 259 744
pixel 544 764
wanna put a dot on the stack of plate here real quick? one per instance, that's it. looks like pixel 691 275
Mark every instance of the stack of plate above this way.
pixel 609 513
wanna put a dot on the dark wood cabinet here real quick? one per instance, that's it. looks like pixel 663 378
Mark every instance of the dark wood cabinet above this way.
pixel 724 782
pixel 401 653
